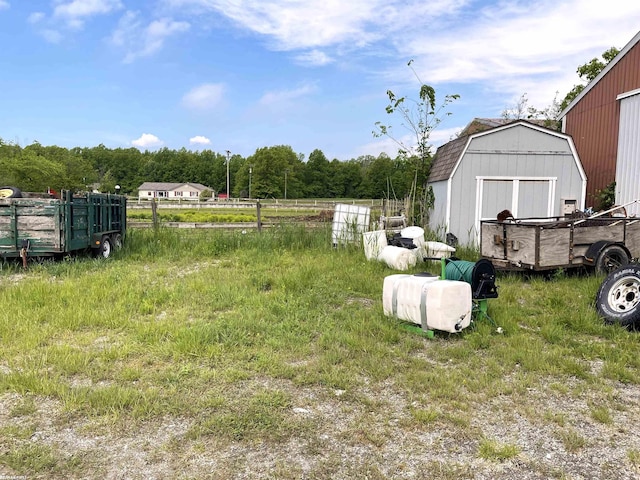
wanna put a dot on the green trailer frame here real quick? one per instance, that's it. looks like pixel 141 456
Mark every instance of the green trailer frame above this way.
pixel 41 226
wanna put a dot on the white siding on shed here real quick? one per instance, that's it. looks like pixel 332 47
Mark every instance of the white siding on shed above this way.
pixel 627 173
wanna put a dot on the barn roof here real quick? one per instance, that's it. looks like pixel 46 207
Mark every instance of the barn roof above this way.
pixel 604 71
pixel 448 155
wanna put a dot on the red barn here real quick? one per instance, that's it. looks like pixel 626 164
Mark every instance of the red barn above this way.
pixel 604 122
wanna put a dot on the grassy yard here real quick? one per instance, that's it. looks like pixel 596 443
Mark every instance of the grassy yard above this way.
pixel 211 354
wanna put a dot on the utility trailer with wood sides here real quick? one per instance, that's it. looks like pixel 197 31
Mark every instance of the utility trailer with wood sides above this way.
pixel 541 244
pixel 37 225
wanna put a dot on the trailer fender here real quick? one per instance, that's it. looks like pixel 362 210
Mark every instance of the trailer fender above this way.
pixel 594 251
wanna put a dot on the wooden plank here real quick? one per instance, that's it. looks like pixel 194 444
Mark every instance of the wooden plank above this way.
pixel 586 235
pixel 632 239
pixel 35 224
pixel 521 244
pixel 554 246
pixel 491 245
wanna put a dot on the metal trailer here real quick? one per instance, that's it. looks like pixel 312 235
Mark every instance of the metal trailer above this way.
pixel 38 225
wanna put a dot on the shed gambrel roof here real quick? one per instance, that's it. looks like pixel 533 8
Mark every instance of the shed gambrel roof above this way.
pixel 448 155
pixel 446 158
pixel 167 186
pixel 604 71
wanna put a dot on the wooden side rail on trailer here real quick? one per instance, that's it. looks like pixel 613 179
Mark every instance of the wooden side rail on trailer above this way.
pixel 558 242
pixel 41 226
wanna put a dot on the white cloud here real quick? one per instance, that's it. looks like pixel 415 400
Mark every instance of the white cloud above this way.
pixel 4 4
pixel 147 140
pixel 312 24
pixel 314 58
pixel 204 97
pixel 199 140
pixel 35 17
pixel 286 96
pixel 507 46
pixel 515 49
pixel 75 12
pixel 139 40
pixel 50 35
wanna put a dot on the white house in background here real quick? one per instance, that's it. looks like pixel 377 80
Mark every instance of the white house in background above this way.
pixel 522 167
pixel 171 191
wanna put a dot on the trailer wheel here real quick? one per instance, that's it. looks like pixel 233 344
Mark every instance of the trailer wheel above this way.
pixel 106 247
pixel 117 242
pixel 618 298
pixel 10 192
pixel 610 258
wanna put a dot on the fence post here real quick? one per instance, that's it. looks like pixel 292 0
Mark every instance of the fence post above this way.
pixel 258 216
pixel 154 213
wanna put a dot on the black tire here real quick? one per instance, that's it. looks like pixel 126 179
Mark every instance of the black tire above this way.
pixel 117 241
pixel 611 258
pixel 618 298
pixel 106 247
pixel 10 192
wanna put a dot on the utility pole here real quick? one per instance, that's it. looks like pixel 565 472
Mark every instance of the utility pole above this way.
pixel 228 194
pixel 250 182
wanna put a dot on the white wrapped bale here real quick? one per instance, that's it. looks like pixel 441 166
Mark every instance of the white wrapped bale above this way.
pixel 398 258
pixel 428 301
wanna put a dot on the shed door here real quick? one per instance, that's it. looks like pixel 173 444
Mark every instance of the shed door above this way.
pixel 524 197
pixel 627 185
pixel 497 195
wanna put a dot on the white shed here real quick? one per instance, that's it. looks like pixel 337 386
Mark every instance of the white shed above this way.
pixel 520 166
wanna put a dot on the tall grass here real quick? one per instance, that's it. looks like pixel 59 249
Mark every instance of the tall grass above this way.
pixel 228 328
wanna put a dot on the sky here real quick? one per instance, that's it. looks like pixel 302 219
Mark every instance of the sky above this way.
pixel 239 75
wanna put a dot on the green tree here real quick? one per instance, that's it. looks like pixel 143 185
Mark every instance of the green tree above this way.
pixel 316 175
pixel 587 72
pixel 28 170
pixel 420 117
pixel 523 111
pixel 274 171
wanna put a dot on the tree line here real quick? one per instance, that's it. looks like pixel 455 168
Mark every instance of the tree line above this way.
pixel 270 172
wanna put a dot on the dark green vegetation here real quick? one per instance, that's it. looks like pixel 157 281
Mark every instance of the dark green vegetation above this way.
pixel 276 172
pixel 211 353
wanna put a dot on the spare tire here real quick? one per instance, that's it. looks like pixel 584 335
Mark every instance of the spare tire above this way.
pixel 618 298
pixel 10 192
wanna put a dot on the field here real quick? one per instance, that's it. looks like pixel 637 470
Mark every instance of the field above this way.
pixel 228 355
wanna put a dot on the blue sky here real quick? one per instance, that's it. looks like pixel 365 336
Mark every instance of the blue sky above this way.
pixel 244 74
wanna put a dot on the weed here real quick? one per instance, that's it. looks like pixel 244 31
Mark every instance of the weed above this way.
pixel 601 414
pixel 572 440
pixel 493 450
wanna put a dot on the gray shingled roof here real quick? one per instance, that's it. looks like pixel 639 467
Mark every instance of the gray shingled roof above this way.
pixel 167 186
pixel 446 158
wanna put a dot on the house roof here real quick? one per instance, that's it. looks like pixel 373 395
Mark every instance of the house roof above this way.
pixel 167 186
pixel 604 71
pixel 448 155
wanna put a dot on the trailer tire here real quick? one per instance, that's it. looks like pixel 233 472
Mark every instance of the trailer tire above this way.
pixel 618 298
pixel 106 247
pixel 10 192
pixel 117 242
pixel 610 258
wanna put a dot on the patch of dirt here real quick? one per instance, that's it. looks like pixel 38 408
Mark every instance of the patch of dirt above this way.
pixel 362 433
